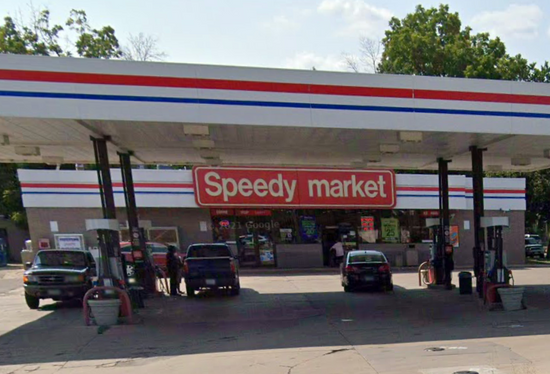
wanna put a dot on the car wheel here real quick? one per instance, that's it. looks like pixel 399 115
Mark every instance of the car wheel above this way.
pixel 190 291
pixel 32 301
pixel 236 290
pixel 390 287
pixel 347 289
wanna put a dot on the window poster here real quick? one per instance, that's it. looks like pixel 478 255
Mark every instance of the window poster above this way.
pixel 390 230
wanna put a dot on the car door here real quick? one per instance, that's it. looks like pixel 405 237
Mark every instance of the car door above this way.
pixel 159 252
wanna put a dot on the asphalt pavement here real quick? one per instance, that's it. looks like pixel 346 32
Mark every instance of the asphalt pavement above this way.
pixel 290 324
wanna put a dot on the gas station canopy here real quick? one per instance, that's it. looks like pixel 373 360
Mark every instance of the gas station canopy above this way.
pixel 215 115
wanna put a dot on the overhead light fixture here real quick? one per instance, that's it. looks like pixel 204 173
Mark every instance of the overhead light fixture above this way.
pixel 389 148
pixel 203 143
pixel 22 150
pixel 410 136
pixel 52 160
pixel 198 130
pixel 373 159
pixel 521 161
pixel 209 154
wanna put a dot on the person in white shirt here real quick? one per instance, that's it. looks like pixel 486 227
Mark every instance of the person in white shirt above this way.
pixel 337 251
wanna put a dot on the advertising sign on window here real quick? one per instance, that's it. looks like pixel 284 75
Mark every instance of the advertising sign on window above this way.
pixel 308 228
pixel 367 223
pixel 390 230
pixel 454 237
pixel 286 235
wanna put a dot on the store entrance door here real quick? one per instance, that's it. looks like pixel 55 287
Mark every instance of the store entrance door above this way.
pixel 255 240
pixel 329 236
pixel 343 233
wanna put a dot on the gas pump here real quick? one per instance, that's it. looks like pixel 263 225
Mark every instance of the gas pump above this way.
pixel 435 262
pixel 497 273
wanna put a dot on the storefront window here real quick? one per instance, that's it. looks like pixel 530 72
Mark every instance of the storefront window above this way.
pixel 257 232
pixel 285 226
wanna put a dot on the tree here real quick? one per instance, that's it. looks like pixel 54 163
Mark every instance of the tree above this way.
pixel 93 43
pixel 37 36
pixel 433 42
pixel 370 51
pixel 143 48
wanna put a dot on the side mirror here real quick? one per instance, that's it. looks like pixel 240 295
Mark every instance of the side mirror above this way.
pixel 28 265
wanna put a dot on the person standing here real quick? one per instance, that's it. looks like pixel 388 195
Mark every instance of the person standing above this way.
pixel 172 264
pixel 337 250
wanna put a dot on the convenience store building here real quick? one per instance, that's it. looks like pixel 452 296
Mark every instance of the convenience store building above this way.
pixel 270 215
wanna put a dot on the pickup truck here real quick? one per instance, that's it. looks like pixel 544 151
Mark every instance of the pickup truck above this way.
pixel 533 247
pixel 58 275
pixel 211 266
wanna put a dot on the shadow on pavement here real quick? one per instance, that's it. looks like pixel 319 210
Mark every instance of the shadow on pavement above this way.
pixel 216 322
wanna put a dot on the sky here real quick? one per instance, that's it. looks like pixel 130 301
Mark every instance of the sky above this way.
pixel 289 33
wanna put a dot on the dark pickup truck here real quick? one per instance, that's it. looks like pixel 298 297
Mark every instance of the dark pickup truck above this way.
pixel 58 275
pixel 211 266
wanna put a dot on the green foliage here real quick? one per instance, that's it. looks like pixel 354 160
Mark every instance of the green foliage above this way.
pixel 40 37
pixel 93 43
pixel 433 42
pixel 11 204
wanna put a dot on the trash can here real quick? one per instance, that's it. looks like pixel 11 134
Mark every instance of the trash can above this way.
pixel 465 282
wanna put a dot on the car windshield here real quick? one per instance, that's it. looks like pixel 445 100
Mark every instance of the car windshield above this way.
pixel 362 258
pixel 65 259
pixel 209 251
pixel 531 241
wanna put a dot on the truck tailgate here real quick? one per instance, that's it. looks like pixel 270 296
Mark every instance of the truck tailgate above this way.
pixel 211 267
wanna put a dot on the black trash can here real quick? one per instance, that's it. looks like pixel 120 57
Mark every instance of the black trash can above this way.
pixel 465 282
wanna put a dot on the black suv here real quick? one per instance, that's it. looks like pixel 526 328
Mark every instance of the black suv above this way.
pixel 58 275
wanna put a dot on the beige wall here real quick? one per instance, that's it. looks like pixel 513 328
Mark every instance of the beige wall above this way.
pixel 514 239
pixel 299 256
pixel 72 221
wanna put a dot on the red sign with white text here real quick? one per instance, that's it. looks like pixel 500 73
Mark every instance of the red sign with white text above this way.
pixel 293 187
pixel 254 212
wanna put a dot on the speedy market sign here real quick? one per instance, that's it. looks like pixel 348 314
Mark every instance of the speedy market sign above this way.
pixel 293 187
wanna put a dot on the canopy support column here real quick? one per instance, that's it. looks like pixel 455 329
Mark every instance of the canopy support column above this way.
pixel 479 233
pixel 443 263
pixel 143 267
pixel 108 239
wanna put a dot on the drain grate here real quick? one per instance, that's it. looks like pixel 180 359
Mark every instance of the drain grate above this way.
pixel 435 349
pixel 466 372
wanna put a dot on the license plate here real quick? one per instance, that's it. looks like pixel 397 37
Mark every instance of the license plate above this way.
pixel 368 278
pixel 54 292
pixel 210 282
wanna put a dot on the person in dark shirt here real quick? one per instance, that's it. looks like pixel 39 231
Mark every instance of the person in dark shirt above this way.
pixel 172 263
